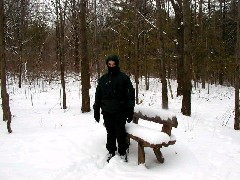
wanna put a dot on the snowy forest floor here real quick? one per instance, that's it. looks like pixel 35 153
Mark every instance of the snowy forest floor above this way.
pixel 50 143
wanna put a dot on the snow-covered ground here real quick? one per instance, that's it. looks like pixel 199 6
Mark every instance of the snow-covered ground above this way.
pixel 49 143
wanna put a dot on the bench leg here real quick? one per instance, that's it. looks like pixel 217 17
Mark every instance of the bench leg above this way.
pixel 141 154
pixel 158 154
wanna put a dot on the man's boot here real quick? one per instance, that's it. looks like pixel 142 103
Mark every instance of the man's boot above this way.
pixel 109 156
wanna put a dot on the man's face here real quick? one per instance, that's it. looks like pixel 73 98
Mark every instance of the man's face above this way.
pixel 111 63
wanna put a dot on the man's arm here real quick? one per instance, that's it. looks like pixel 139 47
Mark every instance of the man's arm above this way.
pixel 130 100
pixel 97 103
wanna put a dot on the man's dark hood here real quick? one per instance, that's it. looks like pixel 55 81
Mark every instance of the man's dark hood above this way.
pixel 114 58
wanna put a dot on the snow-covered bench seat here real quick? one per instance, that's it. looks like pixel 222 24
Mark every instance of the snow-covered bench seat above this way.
pixel 148 137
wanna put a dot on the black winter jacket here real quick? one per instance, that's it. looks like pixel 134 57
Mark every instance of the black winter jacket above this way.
pixel 114 93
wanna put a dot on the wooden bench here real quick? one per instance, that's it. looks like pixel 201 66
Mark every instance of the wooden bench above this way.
pixel 149 137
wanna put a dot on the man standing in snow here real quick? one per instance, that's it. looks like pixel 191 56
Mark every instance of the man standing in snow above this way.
pixel 116 97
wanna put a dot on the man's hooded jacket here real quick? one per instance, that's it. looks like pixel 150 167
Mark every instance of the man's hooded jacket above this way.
pixel 114 92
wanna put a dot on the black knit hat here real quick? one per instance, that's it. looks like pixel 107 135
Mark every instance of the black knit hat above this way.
pixel 114 58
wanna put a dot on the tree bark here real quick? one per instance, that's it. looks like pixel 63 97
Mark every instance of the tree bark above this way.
pixel 95 43
pixel 60 47
pixel 7 116
pixel 203 70
pixel 85 74
pixel 136 43
pixel 237 78
pixel 21 27
pixel 178 9
pixel 222 28
pixel 160 19
pixel 187 86
pixel 75 6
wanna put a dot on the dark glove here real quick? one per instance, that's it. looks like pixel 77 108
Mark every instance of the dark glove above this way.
pixel 97 115
pixel 130 112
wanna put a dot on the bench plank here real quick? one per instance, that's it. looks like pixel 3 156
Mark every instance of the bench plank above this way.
pixel 157 119
pixel 161 116
pixel 153 136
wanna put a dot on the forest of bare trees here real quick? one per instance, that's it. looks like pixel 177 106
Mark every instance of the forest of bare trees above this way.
pixel 192 41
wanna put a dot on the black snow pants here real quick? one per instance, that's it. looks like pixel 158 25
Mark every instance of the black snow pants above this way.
pixel 115 126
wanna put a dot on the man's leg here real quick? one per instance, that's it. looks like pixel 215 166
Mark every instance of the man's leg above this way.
pixel 111 135
pixel 121 135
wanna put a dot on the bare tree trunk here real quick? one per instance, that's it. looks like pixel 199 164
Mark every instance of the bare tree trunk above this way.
pixel 7 116
pixel 222 34
pixel 85 74
pixel 136 41
pixel 146 73
pixel 203 70
pixel 75 6
pixel 237 107
pixel 187 86
pixel 145 59
pixel 178 9
pixel 21 27
pixel 95 44
pixel 60 46
pixel 209 79
pixel 160 20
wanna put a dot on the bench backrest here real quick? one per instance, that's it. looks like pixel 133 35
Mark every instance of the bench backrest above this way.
pixel 167 121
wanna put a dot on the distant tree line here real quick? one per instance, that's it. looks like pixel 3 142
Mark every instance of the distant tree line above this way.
pixel 118 27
